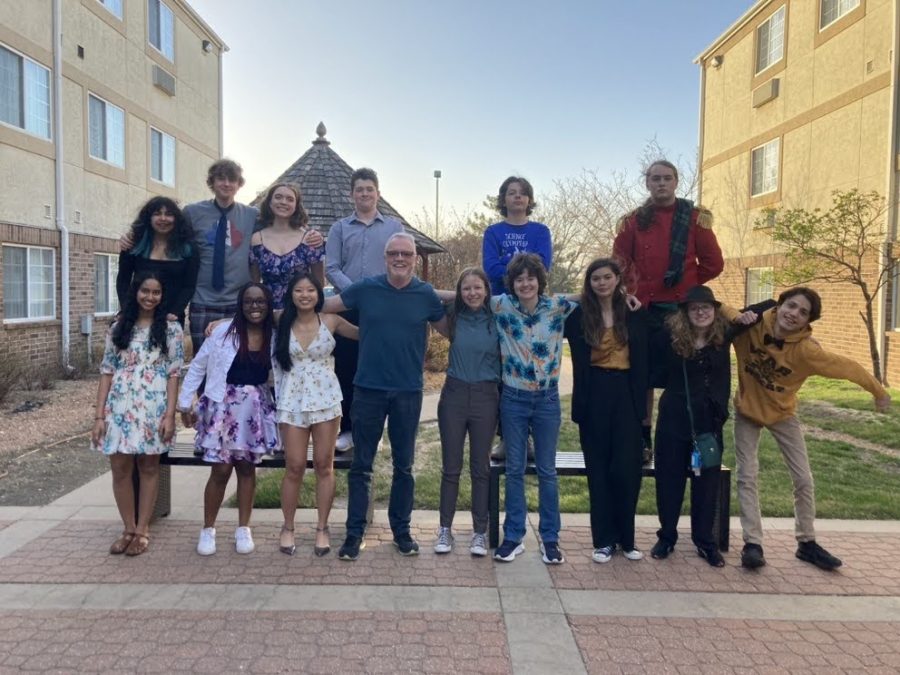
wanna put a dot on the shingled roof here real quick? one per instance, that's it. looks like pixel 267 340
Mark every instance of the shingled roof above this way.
pixel 324 180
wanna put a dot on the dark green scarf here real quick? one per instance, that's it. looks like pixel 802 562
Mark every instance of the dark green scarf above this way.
pixel 681 227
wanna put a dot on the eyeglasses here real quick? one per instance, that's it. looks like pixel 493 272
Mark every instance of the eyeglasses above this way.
pixel 399 254
pixel 255 302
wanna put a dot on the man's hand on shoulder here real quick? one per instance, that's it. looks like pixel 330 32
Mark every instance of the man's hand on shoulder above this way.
pixel 126 242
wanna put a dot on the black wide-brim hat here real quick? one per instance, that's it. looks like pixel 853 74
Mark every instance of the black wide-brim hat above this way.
pixel 700 294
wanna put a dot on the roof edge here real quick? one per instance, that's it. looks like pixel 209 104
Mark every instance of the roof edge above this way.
pixel 732 29
pixel 205 27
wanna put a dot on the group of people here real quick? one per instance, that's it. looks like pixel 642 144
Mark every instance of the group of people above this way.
pixel 347 366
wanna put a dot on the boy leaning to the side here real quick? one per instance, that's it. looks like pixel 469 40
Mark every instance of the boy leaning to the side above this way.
pixel 774 359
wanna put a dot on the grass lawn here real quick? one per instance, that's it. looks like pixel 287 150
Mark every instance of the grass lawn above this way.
pixel 850 482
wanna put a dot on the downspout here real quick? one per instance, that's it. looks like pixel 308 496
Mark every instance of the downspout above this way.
pixel 701 116
pixel 220 53
pixel 890 235
pixel 59 185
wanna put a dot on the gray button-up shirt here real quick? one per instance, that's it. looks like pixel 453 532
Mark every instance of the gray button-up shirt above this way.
pixel 354 250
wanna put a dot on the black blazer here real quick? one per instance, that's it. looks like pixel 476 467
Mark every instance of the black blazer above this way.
pixel 638 356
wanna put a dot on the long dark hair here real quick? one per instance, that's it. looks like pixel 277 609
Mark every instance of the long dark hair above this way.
pixel 591 313
pixel 124 327
pixel 179 245
pixel 286 322
pixel 459 304
pixel 238 327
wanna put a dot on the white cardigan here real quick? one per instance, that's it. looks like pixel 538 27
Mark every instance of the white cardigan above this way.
pixel 212 362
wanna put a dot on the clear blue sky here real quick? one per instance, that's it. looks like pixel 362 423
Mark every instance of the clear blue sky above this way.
pixel 477 88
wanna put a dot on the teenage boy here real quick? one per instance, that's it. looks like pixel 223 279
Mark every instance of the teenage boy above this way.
pixel 514 234
pixel 354 251
pixel 774 359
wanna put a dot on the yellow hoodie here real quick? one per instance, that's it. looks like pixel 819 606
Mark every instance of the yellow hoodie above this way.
pixel 769 376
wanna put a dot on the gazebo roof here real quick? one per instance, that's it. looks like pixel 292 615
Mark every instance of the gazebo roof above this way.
pixel 324 180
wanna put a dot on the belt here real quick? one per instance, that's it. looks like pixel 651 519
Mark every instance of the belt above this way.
pixel 224 309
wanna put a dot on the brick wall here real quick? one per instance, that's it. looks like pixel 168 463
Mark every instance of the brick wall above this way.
pixel 839 330
pixel 40 341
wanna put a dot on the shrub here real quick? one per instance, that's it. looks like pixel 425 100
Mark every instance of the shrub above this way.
pixel 11 370
pixel 437 353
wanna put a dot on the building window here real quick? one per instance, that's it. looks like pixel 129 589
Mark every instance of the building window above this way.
pixel 114 6
pixel 895 293
pixel 29 282
pixel 162 28
pixel 106 267
pixel 764 168
pixel 162 157
pixel 770 41
pixel 107 131
pixel 760 285
pixel 832 10
pixel 24 93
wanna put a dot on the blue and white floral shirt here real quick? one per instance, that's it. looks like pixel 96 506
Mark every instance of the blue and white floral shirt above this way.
pixel 531 343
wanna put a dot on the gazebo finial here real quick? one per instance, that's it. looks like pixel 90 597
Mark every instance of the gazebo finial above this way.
pixel 320 132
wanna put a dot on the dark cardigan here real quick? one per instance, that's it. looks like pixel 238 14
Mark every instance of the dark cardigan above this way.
pixel 638 356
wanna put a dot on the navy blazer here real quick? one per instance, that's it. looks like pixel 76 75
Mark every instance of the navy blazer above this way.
pixel 638 357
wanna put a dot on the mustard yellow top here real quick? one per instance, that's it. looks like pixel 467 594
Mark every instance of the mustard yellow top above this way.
pixel 610 354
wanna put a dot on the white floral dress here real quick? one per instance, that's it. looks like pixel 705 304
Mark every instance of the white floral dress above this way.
pixel 309 393
pixel 136 402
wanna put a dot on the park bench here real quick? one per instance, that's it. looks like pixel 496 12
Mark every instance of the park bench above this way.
pixel 183 455
pixel 572 464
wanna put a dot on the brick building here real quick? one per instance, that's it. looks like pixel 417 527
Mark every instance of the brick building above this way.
pixel 103 104
pixel 799 99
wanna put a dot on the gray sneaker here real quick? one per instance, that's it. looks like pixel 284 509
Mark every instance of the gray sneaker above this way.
pixel 444 543
pixel 478 546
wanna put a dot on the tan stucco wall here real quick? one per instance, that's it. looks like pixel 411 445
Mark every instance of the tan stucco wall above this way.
pixel 117 66
pixel 832 116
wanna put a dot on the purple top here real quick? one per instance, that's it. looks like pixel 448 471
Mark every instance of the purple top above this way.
pixel 277 270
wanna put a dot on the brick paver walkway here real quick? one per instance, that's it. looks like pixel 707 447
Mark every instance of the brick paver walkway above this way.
pixel 68 606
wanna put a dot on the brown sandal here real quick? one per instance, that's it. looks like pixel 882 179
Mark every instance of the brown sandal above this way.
pixel 138 545
pixel 120 545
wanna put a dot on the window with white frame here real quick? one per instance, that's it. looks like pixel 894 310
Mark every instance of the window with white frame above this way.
pixel 161 24
pixel 106 131
pixel 106 267
pixel 24 93
pixel 29 282
pixel 162 157
pixel 114 7
pixel 832 10
pixel 770 41
pixel 760 285
pixel 764 162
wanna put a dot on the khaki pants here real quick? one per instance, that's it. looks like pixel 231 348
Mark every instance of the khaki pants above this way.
pixel 789 436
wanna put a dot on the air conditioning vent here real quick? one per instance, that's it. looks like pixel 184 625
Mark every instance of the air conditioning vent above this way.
pixel 164 80
pixel 766 92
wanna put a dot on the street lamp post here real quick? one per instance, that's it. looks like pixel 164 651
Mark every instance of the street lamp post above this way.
pixel 437 203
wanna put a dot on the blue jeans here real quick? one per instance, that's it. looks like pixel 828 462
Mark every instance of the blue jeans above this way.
pixel 371 407
pixel 519 410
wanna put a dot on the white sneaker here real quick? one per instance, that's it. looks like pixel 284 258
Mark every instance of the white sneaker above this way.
pixel 479 544
pixel 344 441
pixel 633 554
pixel 243 540
pixel 603 554
pixel 206 545
pixel 444 543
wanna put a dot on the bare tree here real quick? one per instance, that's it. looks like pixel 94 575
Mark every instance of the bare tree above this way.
pixel 838 246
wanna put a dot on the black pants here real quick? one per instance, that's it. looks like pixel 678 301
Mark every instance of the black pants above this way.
pixel 673 457
pixel 611 443
pixel 346 359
